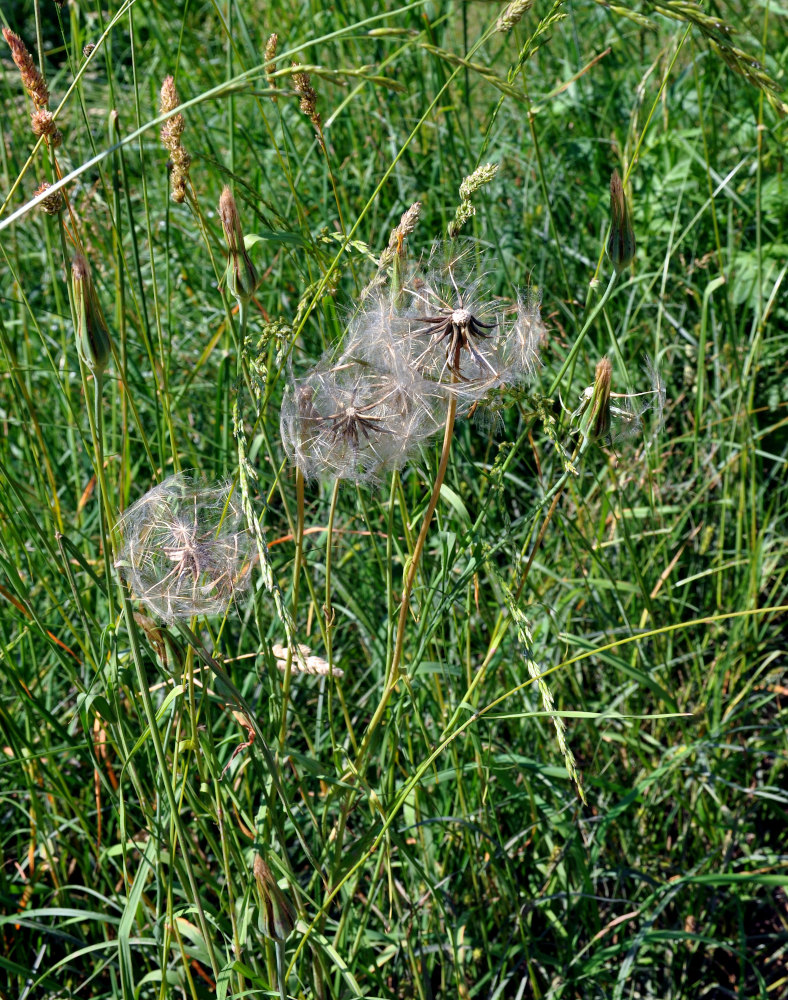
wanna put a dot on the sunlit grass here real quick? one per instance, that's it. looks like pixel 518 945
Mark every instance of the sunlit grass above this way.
pixel 534 742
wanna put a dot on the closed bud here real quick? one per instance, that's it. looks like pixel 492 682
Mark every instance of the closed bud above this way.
pixel 277 916
pixel 599 426
pixel 241 276
pixel 621 243
pixel 92 335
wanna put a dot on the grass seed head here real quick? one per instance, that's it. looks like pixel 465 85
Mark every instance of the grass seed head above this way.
pixel 42 122
pixel 53 203
pixel 32 80
pixel 512 14
pixel 270 61
pixel 308 104
pixel 171 132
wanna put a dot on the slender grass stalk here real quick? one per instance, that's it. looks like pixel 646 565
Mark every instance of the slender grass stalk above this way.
pixel 393 672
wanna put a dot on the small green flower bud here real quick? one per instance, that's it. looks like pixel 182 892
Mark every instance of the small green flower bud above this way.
pixel 93 341
pixel 241 276
pixel 277 916
pixel 621 243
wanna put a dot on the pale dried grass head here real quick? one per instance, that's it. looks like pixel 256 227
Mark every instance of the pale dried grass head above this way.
pixel 184 549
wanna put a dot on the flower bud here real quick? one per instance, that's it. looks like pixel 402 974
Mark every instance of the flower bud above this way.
pixel 621 243
pixel 93 341
pixel 241 276
pixel 599 425
pixel 277 916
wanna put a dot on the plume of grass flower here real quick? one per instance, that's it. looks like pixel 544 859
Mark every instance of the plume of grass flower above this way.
pixel 171 132
pixel 32 80
pixel 465 210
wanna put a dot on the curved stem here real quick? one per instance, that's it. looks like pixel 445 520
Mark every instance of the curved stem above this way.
pixel 570 358
pixel 393 674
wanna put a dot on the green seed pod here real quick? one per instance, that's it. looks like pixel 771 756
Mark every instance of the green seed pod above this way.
pixel 277 916
pixel 621 243
pixel 93 341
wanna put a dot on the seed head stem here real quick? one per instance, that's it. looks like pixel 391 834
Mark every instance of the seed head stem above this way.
pixel 393 674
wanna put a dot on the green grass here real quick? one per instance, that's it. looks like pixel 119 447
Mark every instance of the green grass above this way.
pixel 427 834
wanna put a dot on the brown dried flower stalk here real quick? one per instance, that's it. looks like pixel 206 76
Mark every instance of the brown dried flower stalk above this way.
pixel 171 132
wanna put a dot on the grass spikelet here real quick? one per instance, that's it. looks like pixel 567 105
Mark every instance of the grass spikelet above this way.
pixel 54 203
pixel 32 80
pixel 270 62
pixel 465 210
pixel 42 122
pixel 308 103
pixel 171 132
pixel 513 14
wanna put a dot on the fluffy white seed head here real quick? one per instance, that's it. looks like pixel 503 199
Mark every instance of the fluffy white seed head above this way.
pixel 184 549
pixel 348 419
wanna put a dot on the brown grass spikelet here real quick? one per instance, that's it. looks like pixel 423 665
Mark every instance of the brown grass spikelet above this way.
pixel 32 80
pixel 53 203
pixel 303 87
pixel 270 61
pixel 42 122
pixel 171 132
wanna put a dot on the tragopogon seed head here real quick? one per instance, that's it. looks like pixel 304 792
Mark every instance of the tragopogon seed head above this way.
pixel 455 327
pixel 184 549
pixel 348 419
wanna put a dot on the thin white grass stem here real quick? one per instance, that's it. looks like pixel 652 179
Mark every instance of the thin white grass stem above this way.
pixel 328 611
pixel 299 553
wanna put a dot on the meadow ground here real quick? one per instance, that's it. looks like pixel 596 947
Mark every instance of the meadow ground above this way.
pixel 447 656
